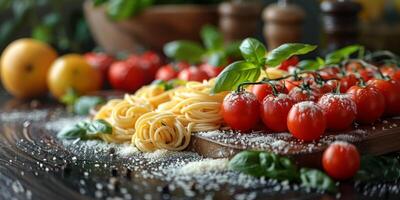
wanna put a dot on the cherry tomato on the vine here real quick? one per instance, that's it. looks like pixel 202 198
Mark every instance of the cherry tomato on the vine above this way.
pixel 274 111
pixel 391 91
pixel 241 110
pixel 263 90
pixel 306 121
pixel 341 160
pixel 170 71
pixel 193 74
pixel 340 110
pixel 212 71
pixel 347 81
pixel 369 101
pixel 300 94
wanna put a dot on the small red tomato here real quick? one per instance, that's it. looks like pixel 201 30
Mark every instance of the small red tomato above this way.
pixel 149 61
pixel 263 90
pixel 100 61
pixel 323 88
pixel 340 110
pixel 292 61
pixel 354 67
pixel 396 76
pixel 241 110
pixel 274 111
pixel 341 160
pixel 170 71
pixel 127 77
pixel 193 74
pixel 347 81
pixel 290 84
pixel 329 73
pixel 369 101
pixel 212 71
pixel 391 91
pixel 299 95
pixel 306 121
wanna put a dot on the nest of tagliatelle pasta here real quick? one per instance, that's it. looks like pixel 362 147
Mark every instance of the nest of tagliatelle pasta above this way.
pixel 156 118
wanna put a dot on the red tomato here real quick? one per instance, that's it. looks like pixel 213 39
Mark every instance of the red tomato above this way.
pixel 369 101
pixel 289 84
pixel 341 160
pixel 354 67
pixel 127 77
pixel 292 61
pixel 396 76
pixel 170 71
pixel 212 71
pixel 347 81
pixel 100 61
pixel 324 88
pixel 340 110
pixel 366 75
pixel 329 73
pixel 306 121
pixel 241 110
pixel 193 74
pixel 263 90
pixel 391 91
pixel 274 111
pixel 299 95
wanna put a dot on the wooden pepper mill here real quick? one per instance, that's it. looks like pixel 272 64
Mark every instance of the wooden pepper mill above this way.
pixel 283 23
pixel 239 19
pixel 340 23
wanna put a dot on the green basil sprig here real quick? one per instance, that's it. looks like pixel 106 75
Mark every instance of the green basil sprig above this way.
pixel 270 165
pixel 86 130
pixel 254 53
pixel 184 50
pixel 83 105
pixel 379 168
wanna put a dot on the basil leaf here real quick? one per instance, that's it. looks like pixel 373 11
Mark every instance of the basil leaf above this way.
pixel 217 58
pixel 99 126
pixel 232 50
pixel 184 50
pixel 99 2
pixel 70 97
pixel 72 132
pixel 378 168
pixel 235 74
pixel 247 162
pixel 316 179
pixel 338 56
pixel 253 51
pixel 285 51
pixel 121 9
pixel 83 105
pixel 212 38
pixel 311 64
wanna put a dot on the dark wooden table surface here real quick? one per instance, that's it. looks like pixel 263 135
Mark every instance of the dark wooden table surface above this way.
pixel 35 165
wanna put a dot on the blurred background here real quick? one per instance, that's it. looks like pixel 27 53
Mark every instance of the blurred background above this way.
pixel 62 23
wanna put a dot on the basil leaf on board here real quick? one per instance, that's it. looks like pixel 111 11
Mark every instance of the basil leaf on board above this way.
pixel 253 51
pixel 316 179
pixel 70 97
pixel 339 55
pixel 83 105
pixel 264 164
pixel 99 126
pixel 285 51
pixel 85 130
pixel 184 51
pixel 235 74
pixel 212 38
pixel 311 64
pixel 379 168
pixel 72 132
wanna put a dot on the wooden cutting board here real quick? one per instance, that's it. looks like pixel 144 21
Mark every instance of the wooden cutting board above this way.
pixel 381 138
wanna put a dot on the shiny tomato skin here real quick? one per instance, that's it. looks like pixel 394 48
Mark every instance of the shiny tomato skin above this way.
pixel 396 76
pixel 347 81
pixel 126 77
pixel 306 121
pixel 329 73
pixel 290 84
pixel 391 91
pixel 370 103
pixel 341 160
pixel 340 110
pixel 166 73
pixel 100 61
pixel 263 90
pixel 241 111
pixel 292 61
pixel 212 71
pixel 193 74
pixel 299 95
pixel 274 111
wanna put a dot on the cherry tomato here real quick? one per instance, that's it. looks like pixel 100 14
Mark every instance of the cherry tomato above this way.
pixel 347 81
pixel 396 76
pixel 274 111
pixel 299 95
pixel 263 90
pixel 127 77
pixel 329 73
pixel 354 67
pixel 100 61
pixel 193 74
pixel 241 110
pixel 365 74
pixel 391 91
pixel 306 121
pixel 290 84
pixel 212 71
pixel 292 61
pixel 170 71
pixel 341 160
pixel 323 88
pixel 340 110
pixel 149 61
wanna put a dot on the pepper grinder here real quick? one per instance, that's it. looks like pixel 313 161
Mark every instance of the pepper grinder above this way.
pixel 283 23
pixel 340 23
pixel 239 19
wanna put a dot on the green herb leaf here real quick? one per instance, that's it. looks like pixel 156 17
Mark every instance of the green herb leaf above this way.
pixel 379 168
pixel 184 51
pixel 121 9
pixel 235 74
pixel 253 51
pixel 232 50
pixel 311 64
pixel 86 130
pixel 338 56
pixel 70 97
pixel 99 2
pixel 217 58
pixel 264 164
pixel 99 126
pixel 316 179
pixel 83 105
pixel 212 38
pixel 72 132
pixel 285 51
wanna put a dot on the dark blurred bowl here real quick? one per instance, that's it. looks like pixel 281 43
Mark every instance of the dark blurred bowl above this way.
pixel 152 28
